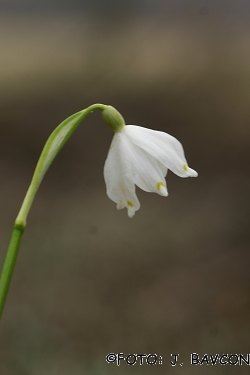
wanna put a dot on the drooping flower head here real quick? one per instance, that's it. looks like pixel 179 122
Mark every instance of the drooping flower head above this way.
pixel 140 157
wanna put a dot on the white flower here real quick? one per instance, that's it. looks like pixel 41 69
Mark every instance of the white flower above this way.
pixel 142 157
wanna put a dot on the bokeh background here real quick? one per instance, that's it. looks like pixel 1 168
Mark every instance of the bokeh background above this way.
pixel 89 280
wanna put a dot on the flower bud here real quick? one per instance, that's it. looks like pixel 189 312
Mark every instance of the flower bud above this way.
pixel 113 118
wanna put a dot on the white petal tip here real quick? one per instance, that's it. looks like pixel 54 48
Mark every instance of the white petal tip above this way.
pixel 189 171
pixel 120 206
pixel 131 209
pixel 192 173
pixel 163 191
pixel 131 214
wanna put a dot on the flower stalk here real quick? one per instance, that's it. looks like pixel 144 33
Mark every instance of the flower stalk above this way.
pixel 54 144
pixel 9 263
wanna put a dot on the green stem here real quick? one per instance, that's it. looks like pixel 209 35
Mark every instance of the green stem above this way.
pixel 9 264
pixel 54 144
pixel 52 147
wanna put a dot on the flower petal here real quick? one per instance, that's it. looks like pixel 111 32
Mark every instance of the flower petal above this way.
pixel 148 172
pixel 165 148
pixel 118 175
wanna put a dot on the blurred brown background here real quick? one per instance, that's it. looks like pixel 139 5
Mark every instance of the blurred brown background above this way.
pixel 89 280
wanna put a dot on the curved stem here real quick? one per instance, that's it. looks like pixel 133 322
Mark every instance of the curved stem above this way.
pixel 54 144
pixel 52 147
